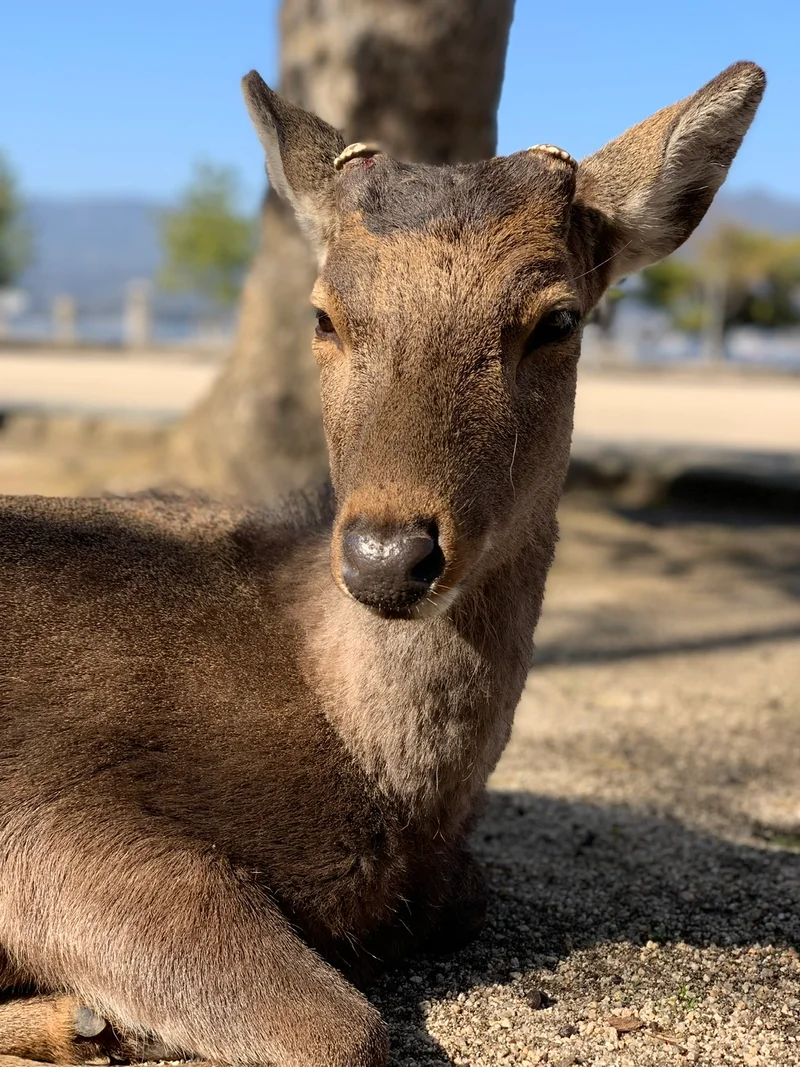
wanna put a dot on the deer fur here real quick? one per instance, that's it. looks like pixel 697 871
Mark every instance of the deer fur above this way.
pixel 231 793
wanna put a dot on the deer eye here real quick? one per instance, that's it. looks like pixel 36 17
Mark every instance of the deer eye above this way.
pixel 552 328
pixel 325 327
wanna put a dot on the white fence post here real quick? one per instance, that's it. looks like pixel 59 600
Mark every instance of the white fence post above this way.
pixel 137 318
pixel 65 320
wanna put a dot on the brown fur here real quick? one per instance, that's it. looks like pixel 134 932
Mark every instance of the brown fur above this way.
pixel 230 794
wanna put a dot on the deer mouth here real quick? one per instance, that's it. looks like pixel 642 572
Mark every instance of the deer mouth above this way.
pixel 435 601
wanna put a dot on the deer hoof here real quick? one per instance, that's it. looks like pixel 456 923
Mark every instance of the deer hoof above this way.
pixel 88 1023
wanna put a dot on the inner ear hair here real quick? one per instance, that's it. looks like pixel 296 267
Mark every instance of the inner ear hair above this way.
pixel 643 194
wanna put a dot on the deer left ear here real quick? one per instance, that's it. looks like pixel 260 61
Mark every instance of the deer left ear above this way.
pixel 641 196
pixel 300 150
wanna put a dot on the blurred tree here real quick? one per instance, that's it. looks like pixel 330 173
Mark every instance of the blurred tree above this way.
pixel 604 315
pixel 669 285
pixel 207 243
pixel 15 245
pixel 423 78
pixel 737 277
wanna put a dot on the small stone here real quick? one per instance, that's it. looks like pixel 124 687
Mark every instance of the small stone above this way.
pixel 567 1061
pixel 416 979
pixel 624 1024
pixel 568 1031
pixel 537 999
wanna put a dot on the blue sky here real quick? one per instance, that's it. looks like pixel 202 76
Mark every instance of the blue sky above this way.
pixel 102 97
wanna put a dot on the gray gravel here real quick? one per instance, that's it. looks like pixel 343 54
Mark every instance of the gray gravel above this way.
pixel 642 838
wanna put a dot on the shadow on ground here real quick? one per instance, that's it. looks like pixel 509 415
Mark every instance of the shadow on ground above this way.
pixel 746 638
pixel 574 877
pixel 681 539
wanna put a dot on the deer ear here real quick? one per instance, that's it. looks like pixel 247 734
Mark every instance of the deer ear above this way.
pixel 300 152
pixel 642 195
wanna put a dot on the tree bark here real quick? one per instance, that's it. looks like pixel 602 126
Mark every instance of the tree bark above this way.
pixel 423 78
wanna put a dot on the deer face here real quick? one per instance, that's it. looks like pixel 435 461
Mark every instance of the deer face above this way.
pixel 448 334
pixel 449 308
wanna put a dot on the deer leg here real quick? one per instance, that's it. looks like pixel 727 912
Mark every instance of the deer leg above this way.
pixel 438 924
pixel 18 1061
pixel 54 1029
pixel 163 937
pixel 463 913
pixel 59 1029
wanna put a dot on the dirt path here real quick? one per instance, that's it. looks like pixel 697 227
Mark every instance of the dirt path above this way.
pixel 746 413
pixel 102 384
pixel 643 835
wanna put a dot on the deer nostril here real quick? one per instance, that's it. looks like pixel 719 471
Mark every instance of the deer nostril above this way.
pixel 391 569
pixel 430 565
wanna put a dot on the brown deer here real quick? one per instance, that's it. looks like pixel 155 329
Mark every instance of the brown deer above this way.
pixel 241 752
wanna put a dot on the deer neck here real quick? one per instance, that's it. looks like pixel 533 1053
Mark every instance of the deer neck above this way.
pixel 426 707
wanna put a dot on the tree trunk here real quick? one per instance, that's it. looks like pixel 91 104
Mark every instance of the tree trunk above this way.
pixel 423 78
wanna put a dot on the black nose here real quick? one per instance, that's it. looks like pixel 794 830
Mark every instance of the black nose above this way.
pixel 391 569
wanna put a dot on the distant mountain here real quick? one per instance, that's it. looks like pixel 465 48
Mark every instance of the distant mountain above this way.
pixel 758 209
pixel 92 248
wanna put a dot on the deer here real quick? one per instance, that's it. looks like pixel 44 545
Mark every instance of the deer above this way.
pixel 243 749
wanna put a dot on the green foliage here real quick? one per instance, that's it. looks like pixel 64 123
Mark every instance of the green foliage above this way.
pixel 207 243
pixel 15 242
pixel 756 276
pixel 686 999
pixel 669 284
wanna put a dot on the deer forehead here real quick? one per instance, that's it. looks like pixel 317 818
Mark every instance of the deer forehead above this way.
pixel 478 236
pixel 509 270
pixel 528 188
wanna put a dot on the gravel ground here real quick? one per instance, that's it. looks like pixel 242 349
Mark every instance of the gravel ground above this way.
pixel 642 837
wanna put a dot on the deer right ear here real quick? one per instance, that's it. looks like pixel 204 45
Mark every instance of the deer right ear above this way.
pixel 301 150
pixel 642 195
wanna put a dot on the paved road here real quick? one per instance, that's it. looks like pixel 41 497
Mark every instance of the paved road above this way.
pixel 746 413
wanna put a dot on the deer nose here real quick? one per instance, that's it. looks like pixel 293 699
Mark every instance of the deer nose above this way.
pixel 391 569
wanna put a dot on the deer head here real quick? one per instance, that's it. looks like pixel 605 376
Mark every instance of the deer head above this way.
pixel 449 309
